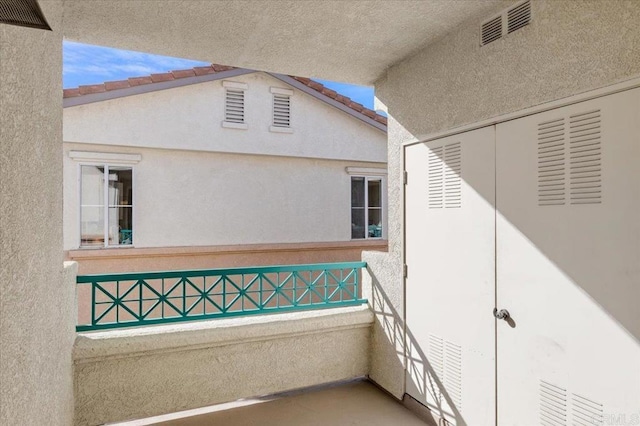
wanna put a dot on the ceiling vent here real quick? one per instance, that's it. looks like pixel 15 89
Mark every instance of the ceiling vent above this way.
pixel 518 17
pixel 492 30
pixel 506 22
pixel 23 13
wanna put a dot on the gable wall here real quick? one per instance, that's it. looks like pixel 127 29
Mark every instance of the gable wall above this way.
pixel 190 118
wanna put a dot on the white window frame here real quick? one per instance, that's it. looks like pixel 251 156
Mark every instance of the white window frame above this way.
pixel 372 175
pixel 106 166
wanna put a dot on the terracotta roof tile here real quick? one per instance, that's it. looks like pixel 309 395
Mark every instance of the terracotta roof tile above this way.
pixel 138 81
pixel 115 85
pixel 157 78
pixel 358 107
pixel 212 69
pixel 183 73
pixel 93 88
pixel 70 93
pixel 204 70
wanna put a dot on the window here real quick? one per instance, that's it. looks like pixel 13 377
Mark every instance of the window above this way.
pixel 106 209
pixel 366 207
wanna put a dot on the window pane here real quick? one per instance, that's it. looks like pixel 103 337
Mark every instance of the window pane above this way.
pixel 375 193
pixel 357 223
pixel 375 223
pixel 92 226
pixel 357 192
pixel 92 206
pixel 120 225
pixel 120 186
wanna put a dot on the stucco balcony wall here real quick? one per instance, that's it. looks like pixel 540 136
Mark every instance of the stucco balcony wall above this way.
pixel 127 374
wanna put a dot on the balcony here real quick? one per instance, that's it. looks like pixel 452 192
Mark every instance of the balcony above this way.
pixel 155 343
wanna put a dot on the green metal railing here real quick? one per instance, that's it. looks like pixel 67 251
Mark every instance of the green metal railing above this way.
pixel 134 299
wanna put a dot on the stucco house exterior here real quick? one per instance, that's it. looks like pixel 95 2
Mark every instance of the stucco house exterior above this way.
pixel 256 168
pixel 518 127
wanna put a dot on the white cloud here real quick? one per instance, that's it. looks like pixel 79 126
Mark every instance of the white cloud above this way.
pixel 87 64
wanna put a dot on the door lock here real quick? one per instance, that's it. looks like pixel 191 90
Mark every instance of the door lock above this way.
pixel 501 314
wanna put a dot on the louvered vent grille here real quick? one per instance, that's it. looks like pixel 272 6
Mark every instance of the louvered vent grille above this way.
pixel 435 178
pixel 452 181
pixel 234 106
pixel 586 412
pixel 586 162
pixel 24 13
pixel 445 359
pixel 553 405
pixel 444 181
pixel 551 163
pixel 518 17
pixel 491 30
pixel 281 110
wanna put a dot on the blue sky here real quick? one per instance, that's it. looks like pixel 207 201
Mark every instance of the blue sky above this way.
pixel 86 64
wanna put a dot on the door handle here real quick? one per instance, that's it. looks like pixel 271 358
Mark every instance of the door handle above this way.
pixel 501 314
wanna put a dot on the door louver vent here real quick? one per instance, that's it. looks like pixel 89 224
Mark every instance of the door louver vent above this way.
pixel 491 30
pixel 23 13
pixel 435 183
pixel 585 151
pixel 518 17
pixel 551 163
pixel 234 106
pixel 281 110
pixel 446 360
pixel 585 411
pixel 444 181
pixel 452 181
pixel 553 405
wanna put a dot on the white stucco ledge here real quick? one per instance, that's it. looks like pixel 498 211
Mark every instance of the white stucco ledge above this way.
pixel 123 343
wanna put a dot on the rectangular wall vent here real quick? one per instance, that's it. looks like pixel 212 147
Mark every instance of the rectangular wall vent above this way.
pixel 505 23
pixel 444 182
pixel 281 110
pixel 585 158
pixel 491 30
pixel 551 163
pixel 553 405
pixel 234 106
pixel 518 17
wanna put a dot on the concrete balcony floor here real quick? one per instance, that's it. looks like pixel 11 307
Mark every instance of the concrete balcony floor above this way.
pixel 354 403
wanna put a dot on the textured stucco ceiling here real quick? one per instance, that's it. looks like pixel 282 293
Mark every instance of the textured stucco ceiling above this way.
pixel 352 41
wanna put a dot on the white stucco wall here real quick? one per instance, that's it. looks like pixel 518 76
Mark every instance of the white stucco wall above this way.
pixel 190 117
pixel 143 372
pixel 37 307
pixel 570 47
pixel 199 183
pixel 186 198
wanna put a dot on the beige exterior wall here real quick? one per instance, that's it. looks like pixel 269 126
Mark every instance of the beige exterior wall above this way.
pixel 208 257
pixel 129 374
pixel 37 307
pixel 186 198
pixel 569 48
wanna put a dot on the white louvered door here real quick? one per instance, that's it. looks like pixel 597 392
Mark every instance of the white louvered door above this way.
pixel 568 265
pixel 450 219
